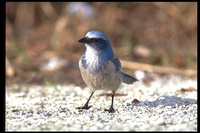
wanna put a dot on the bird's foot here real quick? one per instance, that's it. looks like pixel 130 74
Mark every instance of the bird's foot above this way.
pixel 110 110
pixel 84 107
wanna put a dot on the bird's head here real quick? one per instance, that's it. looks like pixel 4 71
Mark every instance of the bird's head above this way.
pixel 96 40
pixel 98 50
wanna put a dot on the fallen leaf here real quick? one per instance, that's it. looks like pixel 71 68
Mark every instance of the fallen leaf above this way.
pixel 135 101
pixel 188 89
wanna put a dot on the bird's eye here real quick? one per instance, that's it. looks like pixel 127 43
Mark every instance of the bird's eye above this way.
pixel 95 40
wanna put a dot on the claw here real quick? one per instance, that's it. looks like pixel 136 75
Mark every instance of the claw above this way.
pixel 110 110
pixel 84 107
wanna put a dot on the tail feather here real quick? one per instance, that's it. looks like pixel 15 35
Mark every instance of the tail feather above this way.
pixel 127 78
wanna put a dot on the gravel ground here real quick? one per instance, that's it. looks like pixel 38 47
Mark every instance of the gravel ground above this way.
pixel 163 106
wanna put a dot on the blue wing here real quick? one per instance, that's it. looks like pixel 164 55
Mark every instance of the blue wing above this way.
pixel 117 63
pixel 125 77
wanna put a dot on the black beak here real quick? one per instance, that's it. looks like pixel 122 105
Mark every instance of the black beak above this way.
pixel 84 40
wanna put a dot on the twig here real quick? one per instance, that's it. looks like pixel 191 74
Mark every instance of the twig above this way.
pixel 157 69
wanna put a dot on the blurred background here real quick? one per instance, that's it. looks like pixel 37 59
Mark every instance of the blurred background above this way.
pixel 42 37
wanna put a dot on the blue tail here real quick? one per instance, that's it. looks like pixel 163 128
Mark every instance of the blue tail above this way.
pixel 127 78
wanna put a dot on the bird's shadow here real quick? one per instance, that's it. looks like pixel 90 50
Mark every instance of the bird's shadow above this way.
pixel 165 100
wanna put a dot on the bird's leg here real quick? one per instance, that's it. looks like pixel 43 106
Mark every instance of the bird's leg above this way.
pixel 111 109
pixel 86 104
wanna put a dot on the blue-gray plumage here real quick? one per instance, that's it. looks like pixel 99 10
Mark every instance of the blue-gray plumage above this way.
pixel 99 67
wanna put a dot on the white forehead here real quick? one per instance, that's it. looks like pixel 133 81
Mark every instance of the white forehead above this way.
pixel 96 34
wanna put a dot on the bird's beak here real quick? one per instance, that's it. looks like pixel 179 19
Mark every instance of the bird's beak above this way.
pixel 83 40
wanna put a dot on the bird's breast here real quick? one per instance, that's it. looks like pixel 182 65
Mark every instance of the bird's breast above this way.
pixel 92 62
pixel 100 76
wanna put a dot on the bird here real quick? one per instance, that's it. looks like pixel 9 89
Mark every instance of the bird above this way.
pixel 100 68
